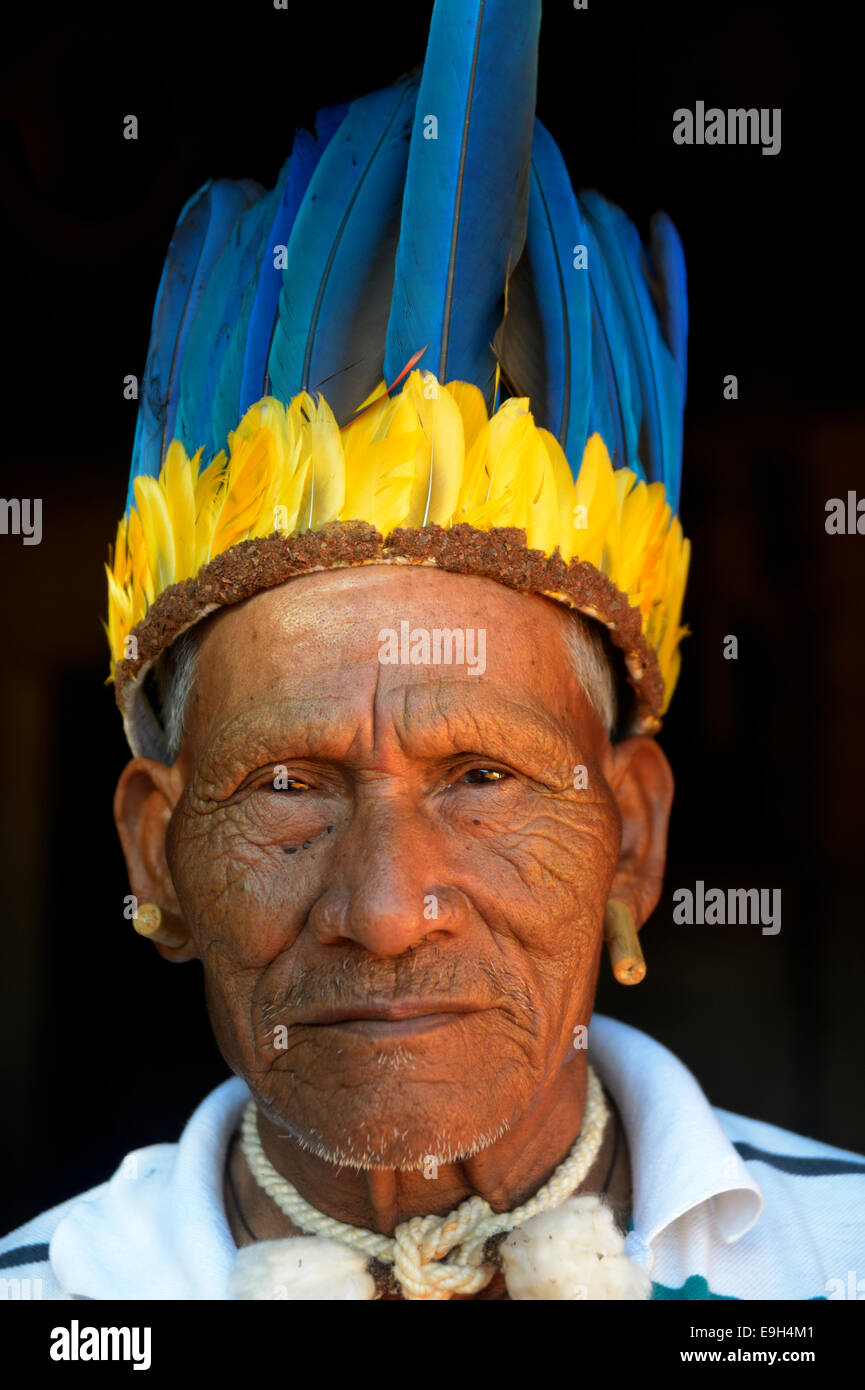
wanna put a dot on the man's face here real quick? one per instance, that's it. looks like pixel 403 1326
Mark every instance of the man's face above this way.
pixel 357 837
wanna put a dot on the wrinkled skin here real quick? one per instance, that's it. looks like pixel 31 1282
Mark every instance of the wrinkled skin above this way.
pixel 437 784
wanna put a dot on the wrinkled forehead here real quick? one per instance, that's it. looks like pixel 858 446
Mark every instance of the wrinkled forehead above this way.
pixel 377 637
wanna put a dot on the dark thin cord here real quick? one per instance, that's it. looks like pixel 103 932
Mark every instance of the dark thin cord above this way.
pixel 615 1154
pixel 237 1205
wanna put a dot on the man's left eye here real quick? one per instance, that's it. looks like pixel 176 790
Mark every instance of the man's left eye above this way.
pixel 281 783
pixel 486 775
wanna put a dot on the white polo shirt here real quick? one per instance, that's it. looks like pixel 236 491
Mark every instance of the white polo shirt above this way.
pixel 723 1206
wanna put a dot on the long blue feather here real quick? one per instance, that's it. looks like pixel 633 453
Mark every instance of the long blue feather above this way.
pixel 230 326
pixel 616 407
pixel 203 227
pixel 466 194
pixel 241 379
pixel 215 327
pixel 545 342
pixel 660 385
pixel 171 299
pixel 263 308
pixel 669 261
pixel 337 281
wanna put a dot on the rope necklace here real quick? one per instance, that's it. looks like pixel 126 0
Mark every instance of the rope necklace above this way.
pixel 251 1233
pixel 435 1256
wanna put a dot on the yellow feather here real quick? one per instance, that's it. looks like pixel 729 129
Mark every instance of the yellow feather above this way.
pixel 281 450
pixel 324 488
pixel 509 431
pixel 438 459
pixel 176 482
pixel 475 480
pixel 156 528
pixel 290 486
pixel 266 414
pixel 595 492
pixel 208 484
pixel 625 481
pixel 358 434
pixel 119 615
pixel 643 516
pixel 680 563
pixel 500 496
pixel 567 533
pixel 250 468
pixel 140 582
pixel 428 454
pixel 137 550
pixel 472 407
pixel 280 505
pixel 375 393
pixel 533 498
pixel 543 517
pixel 208 500
pixel 379 490
pixel 379 453
pixel 121 563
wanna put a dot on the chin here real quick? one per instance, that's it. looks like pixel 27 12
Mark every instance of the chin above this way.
pixel 399 1125
pixel 411 1149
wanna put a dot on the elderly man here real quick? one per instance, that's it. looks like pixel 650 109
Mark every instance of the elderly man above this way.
pixel 390 785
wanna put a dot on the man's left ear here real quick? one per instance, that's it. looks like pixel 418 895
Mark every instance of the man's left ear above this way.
pixel 642 781
pixel 146 796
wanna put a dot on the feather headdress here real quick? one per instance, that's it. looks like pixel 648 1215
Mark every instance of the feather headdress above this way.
pixel 421 346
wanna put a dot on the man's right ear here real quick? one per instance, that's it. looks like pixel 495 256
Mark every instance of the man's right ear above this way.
pixel 147 793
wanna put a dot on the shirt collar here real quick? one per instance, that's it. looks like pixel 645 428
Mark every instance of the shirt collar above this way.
pixel 158 1229
pixel 681 1159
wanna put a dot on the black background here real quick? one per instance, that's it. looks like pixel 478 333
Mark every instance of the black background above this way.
pixel 104 1046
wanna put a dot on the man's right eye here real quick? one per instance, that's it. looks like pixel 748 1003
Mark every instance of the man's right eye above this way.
pixel 486 776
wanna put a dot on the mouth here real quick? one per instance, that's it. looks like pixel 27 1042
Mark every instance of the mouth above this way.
pixel 393 1020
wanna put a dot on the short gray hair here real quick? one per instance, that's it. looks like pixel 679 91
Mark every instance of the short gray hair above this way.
pixel 174 675
pixel 593 660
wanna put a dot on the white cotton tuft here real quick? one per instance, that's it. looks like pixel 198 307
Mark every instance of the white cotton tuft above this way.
pixel 574 1252
pixel 303 1267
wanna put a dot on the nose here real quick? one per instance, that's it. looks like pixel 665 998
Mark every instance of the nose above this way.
pixel 386 891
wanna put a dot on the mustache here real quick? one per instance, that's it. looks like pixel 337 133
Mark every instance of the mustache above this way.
pixel 487 983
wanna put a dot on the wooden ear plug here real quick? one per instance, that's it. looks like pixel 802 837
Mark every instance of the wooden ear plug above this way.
pixel 148 922
pixel 623 943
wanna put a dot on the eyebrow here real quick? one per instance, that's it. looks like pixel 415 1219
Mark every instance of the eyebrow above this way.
pixel 492 720
pixel 304 726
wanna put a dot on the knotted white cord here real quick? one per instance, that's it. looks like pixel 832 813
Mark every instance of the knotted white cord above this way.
pixel 419 1247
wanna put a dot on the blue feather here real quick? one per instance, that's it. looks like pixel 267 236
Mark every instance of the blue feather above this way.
pixel 171 298
pixel 262 314
pixel 204 225
pixel 615 408
pixel 669 261
pixel 545 342
pixel 338 276
pixel 214 329
pixel 241 379
pixel 466 194
pixel 661 398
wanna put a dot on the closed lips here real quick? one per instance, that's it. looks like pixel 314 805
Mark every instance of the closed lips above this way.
pixel 392 1012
